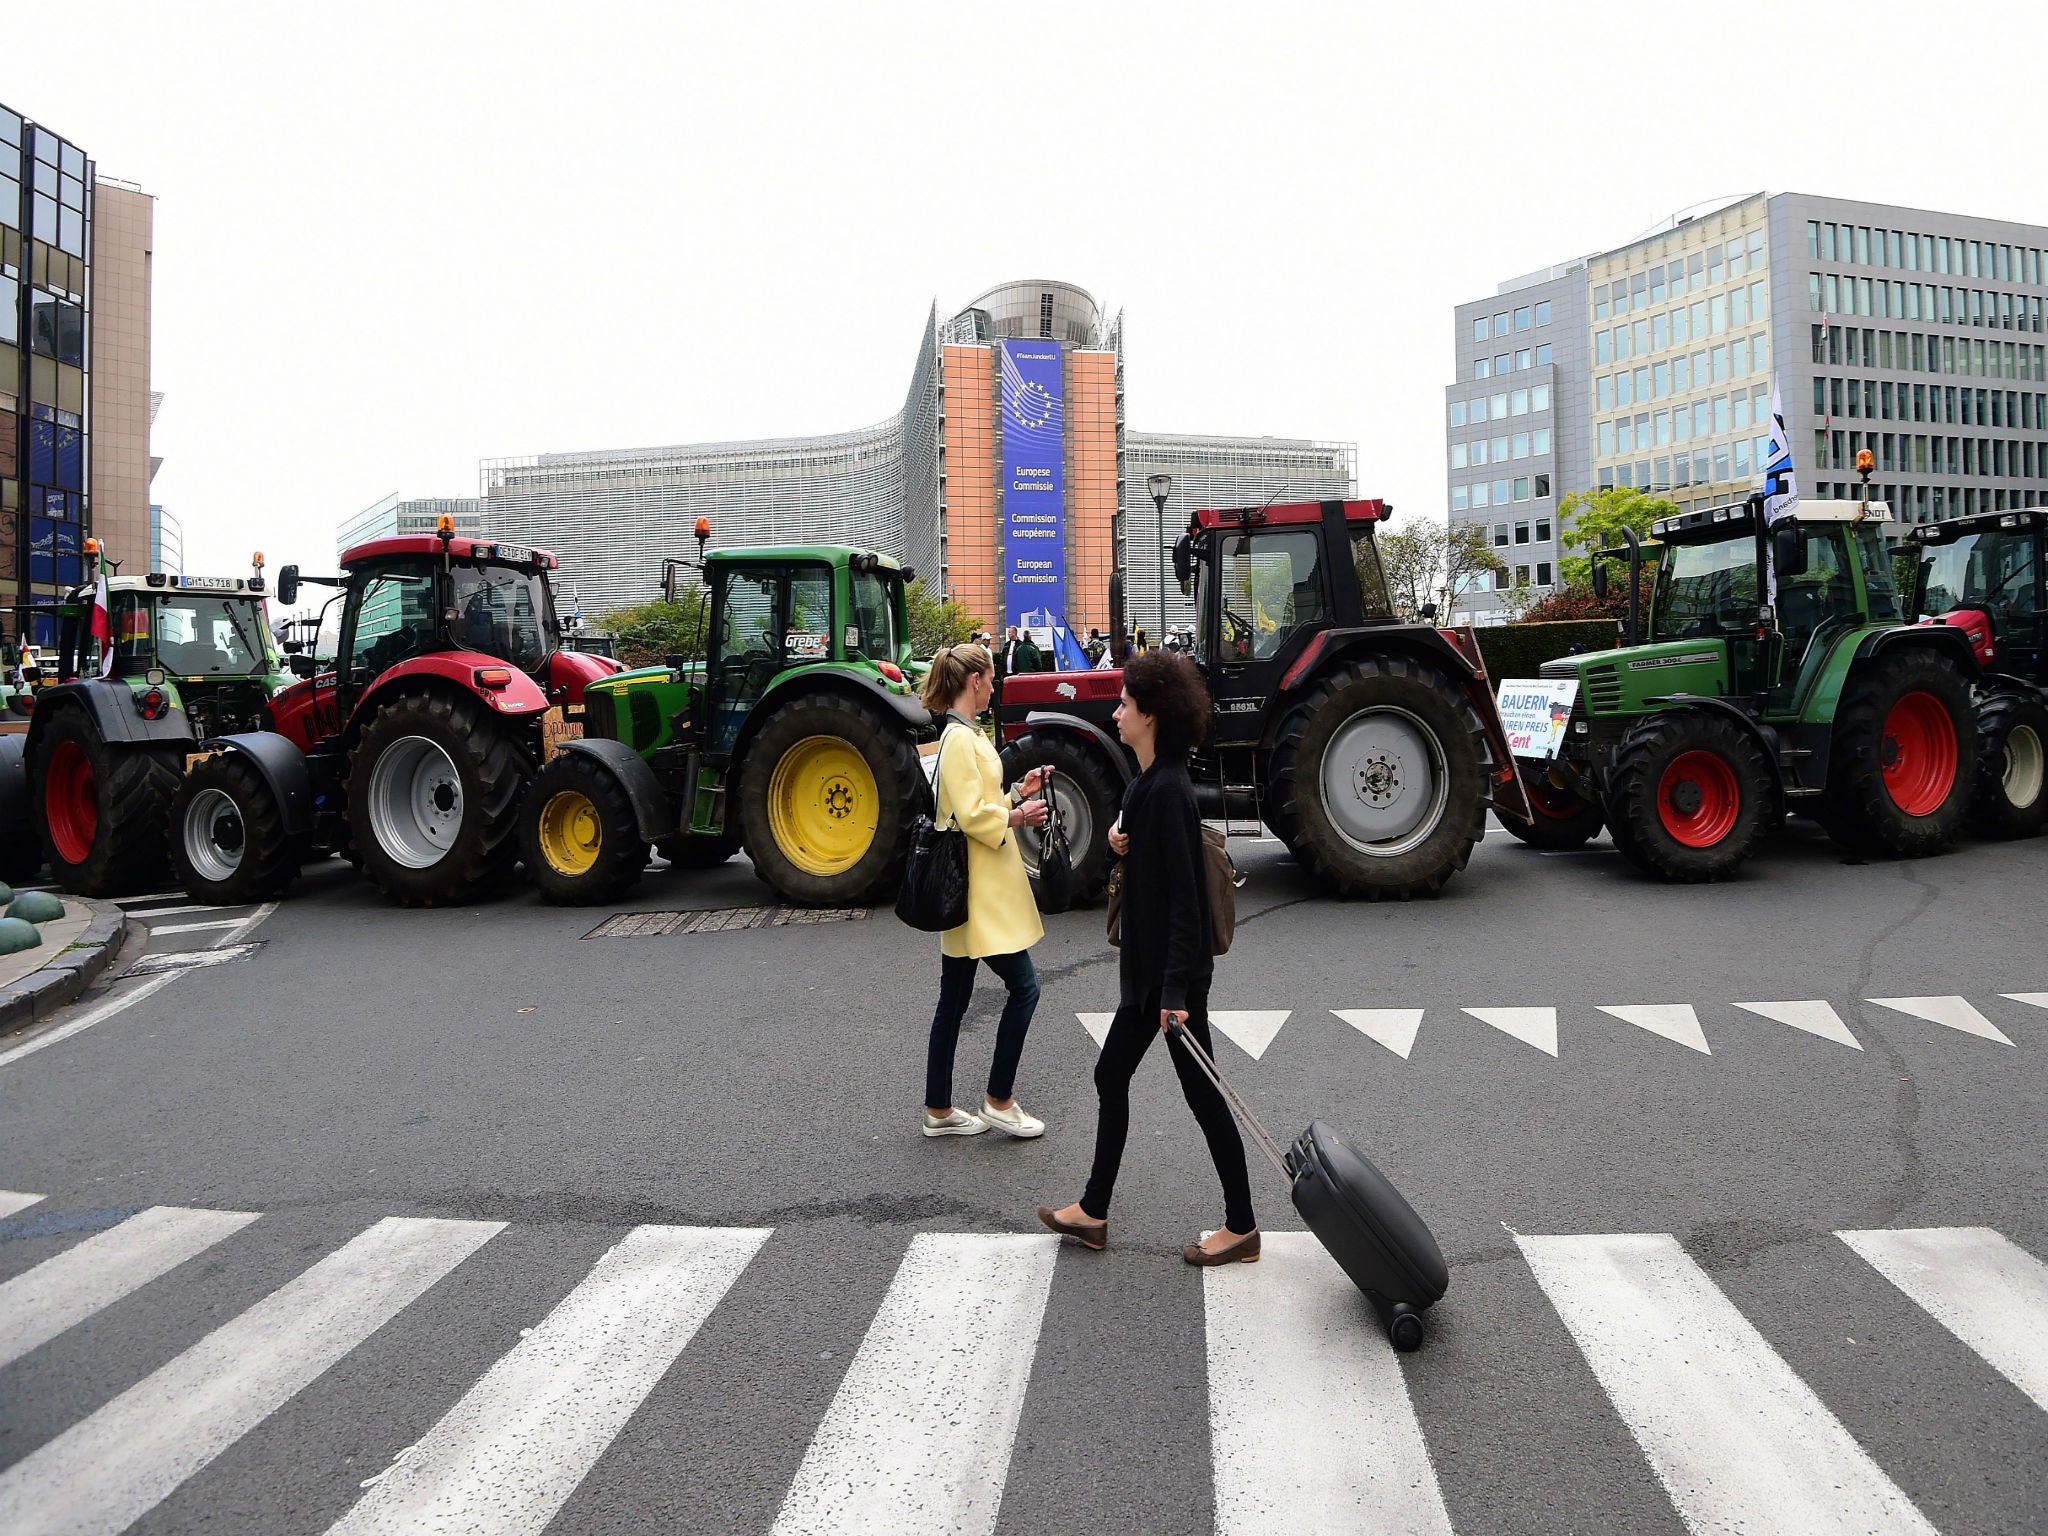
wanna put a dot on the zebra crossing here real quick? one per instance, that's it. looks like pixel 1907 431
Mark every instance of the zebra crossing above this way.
pixel 1253 1030
pixel 1312 1426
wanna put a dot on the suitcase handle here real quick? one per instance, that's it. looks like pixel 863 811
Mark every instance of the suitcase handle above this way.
pixel 1283 1163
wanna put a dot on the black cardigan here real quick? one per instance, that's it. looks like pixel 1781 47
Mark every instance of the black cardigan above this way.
pixel 1165 921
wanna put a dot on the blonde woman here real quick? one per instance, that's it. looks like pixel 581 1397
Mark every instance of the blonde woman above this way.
pixel 1002 919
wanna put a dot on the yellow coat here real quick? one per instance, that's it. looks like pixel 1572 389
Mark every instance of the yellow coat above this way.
pixel 1002 918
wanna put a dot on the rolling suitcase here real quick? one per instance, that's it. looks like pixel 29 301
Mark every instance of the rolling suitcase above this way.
pixel 1369 1229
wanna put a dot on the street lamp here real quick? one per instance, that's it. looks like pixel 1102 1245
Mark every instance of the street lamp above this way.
pixel 1160 487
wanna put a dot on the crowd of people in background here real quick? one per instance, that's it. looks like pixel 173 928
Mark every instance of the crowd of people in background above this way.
pixel 1017 652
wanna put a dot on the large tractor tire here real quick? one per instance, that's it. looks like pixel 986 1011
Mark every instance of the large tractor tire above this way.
pixel 1382 774
pixel 578 834
pixel 100 809
pixel 2012 766
pixel 227 839
pixel 1084 789
pixel 433 799
pixel 1689 796
pixel 1560 820
pixel 828 791
pixel 21 853
pixel 687 852
pixel 1904 759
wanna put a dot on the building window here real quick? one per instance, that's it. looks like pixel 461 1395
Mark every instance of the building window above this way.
pixel 1521 533
pixel 1500 324
pixel 1460 498
pixel 1500 535
pixel 1522 319
pixel 1479 329
pixel 1457 413
pixel 1543 573
pixel 1542 524
pixel 1458 459
pixel 1521 450
pixel 1480 368
pixel 1539 397
pixel 1543 352
pixel 1502 363
pixel 1521 359
pixel 1541 444
pixel 1543 311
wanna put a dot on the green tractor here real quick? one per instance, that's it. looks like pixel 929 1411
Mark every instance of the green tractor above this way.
pixel 795 735
pixel 192 658
pixel 1747 702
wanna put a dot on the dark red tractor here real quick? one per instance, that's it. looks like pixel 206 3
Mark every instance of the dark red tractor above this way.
pixel 408 740
pixel 1369 746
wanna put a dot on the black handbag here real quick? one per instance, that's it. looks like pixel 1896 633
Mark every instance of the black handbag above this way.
pixel 1055 890
pixel 933 896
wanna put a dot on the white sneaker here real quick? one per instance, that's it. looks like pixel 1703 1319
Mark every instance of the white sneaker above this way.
pixel 1016 1120
pixel 954 1122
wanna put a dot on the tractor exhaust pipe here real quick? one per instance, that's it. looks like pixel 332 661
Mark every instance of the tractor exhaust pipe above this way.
pixel 1635 583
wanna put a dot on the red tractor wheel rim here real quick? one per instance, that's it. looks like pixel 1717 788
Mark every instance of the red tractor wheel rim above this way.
pixel 1546 800
pixel 1697 799
pixel 71 803
pixel 1919 754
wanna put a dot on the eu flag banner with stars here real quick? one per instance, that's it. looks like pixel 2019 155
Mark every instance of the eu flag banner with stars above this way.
pixel 1781 485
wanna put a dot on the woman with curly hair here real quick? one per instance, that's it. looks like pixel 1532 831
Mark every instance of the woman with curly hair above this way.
pixel 1166 963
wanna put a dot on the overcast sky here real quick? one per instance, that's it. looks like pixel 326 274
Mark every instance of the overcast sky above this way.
pixel 394 240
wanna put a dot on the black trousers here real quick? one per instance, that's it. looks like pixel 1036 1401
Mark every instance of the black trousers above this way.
pixel 1131 1034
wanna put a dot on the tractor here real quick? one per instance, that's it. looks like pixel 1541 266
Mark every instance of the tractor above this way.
pixel 1778 676
pixel 188 657
pixel 1982 575
pixel 1369 746
pixel 795 735
pixel 408 749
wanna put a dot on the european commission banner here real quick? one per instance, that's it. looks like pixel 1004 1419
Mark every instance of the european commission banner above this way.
pixel 1034 481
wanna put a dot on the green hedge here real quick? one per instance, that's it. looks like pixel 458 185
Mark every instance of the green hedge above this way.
pixel 1517 650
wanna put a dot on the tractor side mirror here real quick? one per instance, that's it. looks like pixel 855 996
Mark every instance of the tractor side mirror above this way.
pixel 288 586
pixel 1788 551
pixel 1600 580
pixel 1184 562
pixel 303 666
pixel 293 647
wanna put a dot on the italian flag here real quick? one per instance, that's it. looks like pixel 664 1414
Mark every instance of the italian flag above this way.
pixel 102 625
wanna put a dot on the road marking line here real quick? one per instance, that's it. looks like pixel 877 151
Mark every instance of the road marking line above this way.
pixel 2038 999
pixel 1816 1018
pixel 11 1201
pixel 126 1000
pixel 1097 1025
pixel 918 1437
pixel 171 911
pixel 126 902
pixel 1311 1427
pixel 109 1469
pixel 1674 1021
pixel 1738 1440
pixel 1979 1285
pixel 1535 1026
pixel 65 1290
pixel 1252 1029
pixel 1394 1028
pixel 189 960
pixel 167 929
pixel 567 1387
pixel 1951 1011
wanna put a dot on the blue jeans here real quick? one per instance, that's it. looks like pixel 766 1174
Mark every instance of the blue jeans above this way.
pixel 956 988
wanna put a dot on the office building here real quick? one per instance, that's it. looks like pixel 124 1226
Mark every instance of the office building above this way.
pixel 1007 478
pixel 166 542
pixel 1913 334
pixel 390 517
pixel 123 406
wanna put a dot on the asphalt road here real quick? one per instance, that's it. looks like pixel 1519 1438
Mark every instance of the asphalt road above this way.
pixel 1749 1368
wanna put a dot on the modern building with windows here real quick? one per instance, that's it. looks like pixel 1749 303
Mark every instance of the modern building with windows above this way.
pixel 1915 335
pixel 1007 477
pixel 46 207
pixel 166 542
pixel 390 517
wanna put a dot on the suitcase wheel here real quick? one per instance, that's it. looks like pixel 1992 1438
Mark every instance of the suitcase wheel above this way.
pixel 1404 1327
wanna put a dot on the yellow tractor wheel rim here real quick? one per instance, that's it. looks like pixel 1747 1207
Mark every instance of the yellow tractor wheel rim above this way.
pixel 570 832
pixel 822 805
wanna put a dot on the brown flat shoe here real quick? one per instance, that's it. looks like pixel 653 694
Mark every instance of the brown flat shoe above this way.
pixel 1095 1235
pixel 1244 1251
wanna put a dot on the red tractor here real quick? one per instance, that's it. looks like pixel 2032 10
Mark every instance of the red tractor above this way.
pixel 1370 747
pixel 406 748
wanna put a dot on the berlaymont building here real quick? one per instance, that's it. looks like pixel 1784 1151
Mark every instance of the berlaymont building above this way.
pixel 1008 478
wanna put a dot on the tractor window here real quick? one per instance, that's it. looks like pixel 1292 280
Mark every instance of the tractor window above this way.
pixel 1270 588
pixel 394 621
pixel 501 611
pixel 134 635
pixel 1878 581
pixel 1705 591
pixel 206 636
pixel 1373 599
pixel 1992 571
pixel 810 616
pixel 874 610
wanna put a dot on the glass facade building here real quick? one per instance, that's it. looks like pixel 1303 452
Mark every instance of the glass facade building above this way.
pixel 166 542
pixel 46 199
pixel 1915 335
pixel 938 484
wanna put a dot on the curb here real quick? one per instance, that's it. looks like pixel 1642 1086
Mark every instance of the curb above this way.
pixel 64 980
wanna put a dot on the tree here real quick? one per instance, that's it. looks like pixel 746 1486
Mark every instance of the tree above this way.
pixel 1421 561
pixel 648 632
pixel 1593 520
pixel 937 622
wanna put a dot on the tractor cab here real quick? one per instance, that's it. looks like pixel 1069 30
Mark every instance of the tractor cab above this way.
pixel 1984 574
